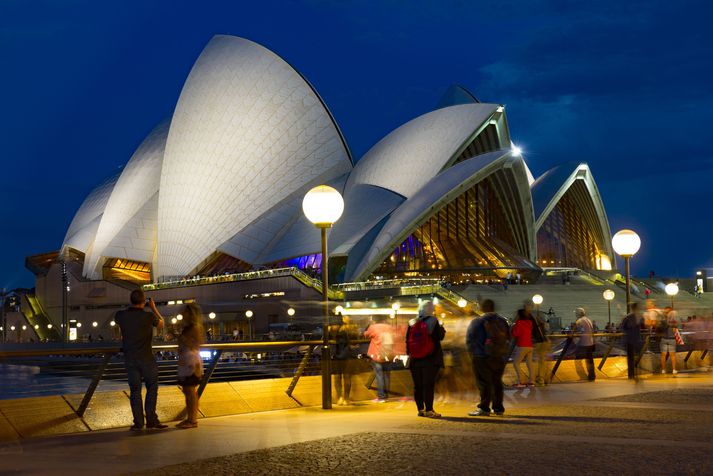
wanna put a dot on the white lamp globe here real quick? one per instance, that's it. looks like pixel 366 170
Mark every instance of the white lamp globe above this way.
pixel 608 294
pixel 211 315
pixel 396 306
pixel 462 303
pixel 671 289
pixel 112 323
pixel 338 310
pixel 290 312
pixel 537 299
pixel 323 205
pixel 79 324
pixel 626 243
pixel 248 314
pixel 95 324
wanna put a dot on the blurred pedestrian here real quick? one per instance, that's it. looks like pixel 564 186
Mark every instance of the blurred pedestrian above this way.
pixel 542 347
pixel 488 341
pixel 136 327
pixel 585 345
pixel 344 335
pixel 631 327
pixel 522 333
pixel 668 328
pixel 381 352
pixel 190 364
pixel 423 346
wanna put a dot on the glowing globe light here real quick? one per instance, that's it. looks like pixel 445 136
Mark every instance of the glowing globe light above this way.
pixel 537 299
pixel 462 303
pixel 173 320
pixel 95 324
pixel 248 314
pixel 112 323
pixel 211 315
pixel 626 243
pixel 396 306
pixel 79 324
pixel 338 310
pixel 179 317
pixel 323 205
pixel 608 294
pixel 671 289
pixel 290 312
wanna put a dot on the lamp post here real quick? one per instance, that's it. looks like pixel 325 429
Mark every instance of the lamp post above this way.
pixel 395 307
pixel 626 243
pixel 249 317
pixel 323 206
pixel 671 289
pixel 608 296
pixel 290 312
pixel 537 300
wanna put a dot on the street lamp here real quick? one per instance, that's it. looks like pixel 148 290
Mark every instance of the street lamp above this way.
pixel 290 312
pixel 323 205
pixel 609 296
pixel 671 289
pixel 537 300
pixel 462 303
pixel 248 316
pixel 626 243
pixel 211 316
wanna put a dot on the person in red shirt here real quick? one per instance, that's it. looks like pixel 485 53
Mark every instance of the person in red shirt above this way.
pixel 522 333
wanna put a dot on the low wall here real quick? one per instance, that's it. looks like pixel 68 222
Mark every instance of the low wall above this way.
pixel 52 415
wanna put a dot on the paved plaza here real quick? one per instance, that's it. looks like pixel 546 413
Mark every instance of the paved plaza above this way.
pixel 655 426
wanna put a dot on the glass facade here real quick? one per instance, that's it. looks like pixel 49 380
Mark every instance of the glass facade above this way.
pixel 571 236
pixel 116 269
pixel 476 233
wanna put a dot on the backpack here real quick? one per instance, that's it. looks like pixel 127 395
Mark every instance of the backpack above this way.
pixel 420 342
pixel 497 336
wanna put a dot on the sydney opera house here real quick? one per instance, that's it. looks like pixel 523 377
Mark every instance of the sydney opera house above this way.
pixel 216 191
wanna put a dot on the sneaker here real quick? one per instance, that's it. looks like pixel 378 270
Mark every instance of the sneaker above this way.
pixel 478 412
pixel 674 371
pixel 136 428
pixel 156 426
pixel 431 414
pixel 663 371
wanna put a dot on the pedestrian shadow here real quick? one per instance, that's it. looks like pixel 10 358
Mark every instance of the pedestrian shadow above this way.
pixel 496 420
pixel 582 419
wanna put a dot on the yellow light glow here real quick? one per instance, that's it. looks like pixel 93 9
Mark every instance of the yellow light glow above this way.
pixel 323 205
pixel 381 311
pixel 626 243
pixel 537 299
pixel 671 289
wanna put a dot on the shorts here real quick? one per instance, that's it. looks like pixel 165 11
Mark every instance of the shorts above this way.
pixel 190 381
pixel 668 345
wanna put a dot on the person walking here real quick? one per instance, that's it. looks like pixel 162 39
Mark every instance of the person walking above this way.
pixel 344 335
pixel 585 346
pixel 136 325
pixel 423 346
pixel 522 333
pixel 631 327
pixel 541 345
pixel 668 328
pixel 190 364
pixel 488 341
pixel 381 352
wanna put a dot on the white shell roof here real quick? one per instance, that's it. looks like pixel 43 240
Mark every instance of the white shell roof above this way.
pixel 81 231
pixel 248 131
pixel 410 156
pixel 440 189
pixel 137 239
pixel 137 184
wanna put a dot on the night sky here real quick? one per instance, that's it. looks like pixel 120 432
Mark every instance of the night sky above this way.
pixel 624 86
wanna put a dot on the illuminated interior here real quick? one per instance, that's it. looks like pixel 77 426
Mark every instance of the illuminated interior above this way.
pixel 571 235
pixel 116 269
pixel 477 232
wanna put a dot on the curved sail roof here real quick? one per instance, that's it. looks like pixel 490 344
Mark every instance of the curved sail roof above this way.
pixel 248 131
pixel 551 186
pixel 136 185
pixel 441 189
pixel 82 230
pixel 410 156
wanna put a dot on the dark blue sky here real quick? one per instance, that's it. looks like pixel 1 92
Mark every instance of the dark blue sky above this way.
pixel 624 86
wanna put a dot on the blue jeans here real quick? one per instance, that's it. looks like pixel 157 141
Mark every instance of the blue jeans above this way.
pixel 382 370
pixel 148 370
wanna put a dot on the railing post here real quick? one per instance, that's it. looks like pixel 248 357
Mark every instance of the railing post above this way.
pixel 562 354
pixel 209 371
pixel 300 370
pixel 606 354
pixel 93 384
